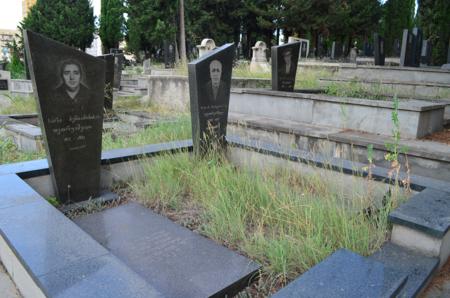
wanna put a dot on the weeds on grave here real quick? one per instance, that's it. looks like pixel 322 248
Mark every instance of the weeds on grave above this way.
pixel 20 105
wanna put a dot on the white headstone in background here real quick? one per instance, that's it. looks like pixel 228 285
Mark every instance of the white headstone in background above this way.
pixel 147 66
pixel 206 46
pixel 259 58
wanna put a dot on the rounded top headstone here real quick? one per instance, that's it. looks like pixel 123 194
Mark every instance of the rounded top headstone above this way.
pixel 208 43
pixel 260 44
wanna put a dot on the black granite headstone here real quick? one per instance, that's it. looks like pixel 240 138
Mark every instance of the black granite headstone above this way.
pixel 169 54
pixel 397 47
pixel 109 80
pixel 416 47
pixel 284 66
pixel 379 49
pixel 405 55
pixel 368 49
pixel 3 84
pixel 69 89
pixel 118 61
pixel 209 89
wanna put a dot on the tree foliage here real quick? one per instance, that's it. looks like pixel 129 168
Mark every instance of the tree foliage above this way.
pixel 398 15
pixel 434 19
pixel 112 23
pixel 68 21
pixel 150 22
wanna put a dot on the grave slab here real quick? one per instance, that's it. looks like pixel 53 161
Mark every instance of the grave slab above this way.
pixel 171 258
pixel 345 274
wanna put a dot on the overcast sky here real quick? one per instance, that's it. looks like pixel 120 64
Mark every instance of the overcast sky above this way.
pixel 11 12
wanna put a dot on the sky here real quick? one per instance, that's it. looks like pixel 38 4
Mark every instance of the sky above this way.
pixel 11 12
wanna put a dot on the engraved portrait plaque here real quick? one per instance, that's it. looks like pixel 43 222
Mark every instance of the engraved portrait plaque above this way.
pixel 69 89
pixel 284 66
pixel 209 88
pixel 109 80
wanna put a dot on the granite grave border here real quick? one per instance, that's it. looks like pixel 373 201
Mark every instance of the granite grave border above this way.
pixel 18 198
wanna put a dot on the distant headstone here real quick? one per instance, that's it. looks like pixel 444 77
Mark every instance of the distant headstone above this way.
pixel 353 54
pixel 378 49
pixel 368 49
pixel 411 48
pixel 259 58
pixel 320 47
pixel 425 55
pixel 336 50
pixel 448 52
pixel 397 47
pixel 333 50
pixel 169 54
pixel 284 66
pixel 205 47
pixel 118 62
pixel 109 80
pixel 69 89
pixel 147 66
pixel 304 45
pixel 5 78
pixel 209 89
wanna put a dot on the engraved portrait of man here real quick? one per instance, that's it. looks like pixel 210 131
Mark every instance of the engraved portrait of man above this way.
pixel 215 89
pixel 71 86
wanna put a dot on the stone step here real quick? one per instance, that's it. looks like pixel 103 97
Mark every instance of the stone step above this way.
pixel 423 223
pixel 346 274
pixel 417 267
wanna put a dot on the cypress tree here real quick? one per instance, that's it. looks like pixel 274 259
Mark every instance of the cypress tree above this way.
pixel 111 23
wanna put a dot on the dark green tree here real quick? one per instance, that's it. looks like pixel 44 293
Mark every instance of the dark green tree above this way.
pixel 68 21
pixel 434 19
pixel 112 23
pixel 150 22
pixel 397 15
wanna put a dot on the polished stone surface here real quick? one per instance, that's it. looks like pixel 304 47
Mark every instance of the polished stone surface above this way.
pixel 101 277
pixel 44 239
pixel 379 54
pixel 428 211
pixel 209 89
pixel 14 192
pixel 109 80
pixel 347 275
pixel 284 66
pixel 176 261
pixel 419 268
pixel 69 85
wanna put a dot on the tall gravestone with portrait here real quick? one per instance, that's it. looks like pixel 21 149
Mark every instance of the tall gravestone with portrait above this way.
pixel 69 89
pixel 284 66
pixel 209 89
pixel 379 56
pixel 109 80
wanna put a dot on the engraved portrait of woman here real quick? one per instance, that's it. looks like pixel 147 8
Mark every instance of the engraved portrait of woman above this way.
pixel 71 86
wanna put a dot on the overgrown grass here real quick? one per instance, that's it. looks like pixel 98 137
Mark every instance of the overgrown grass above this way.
pixel 19 105
pixel 286 221
pixel 357 90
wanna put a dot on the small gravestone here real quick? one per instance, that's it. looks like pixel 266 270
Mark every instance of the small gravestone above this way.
pixel 304 48
pixel 284 66
pixel 109 80
pixel 147 66
pixel 69 89
pixel 333 50
pixel 405 54
pixel 353 53
pixel 206 46
pixel 320 47
pixel 169 54
pixel 259 58
pixel 416 46
pixel 379 49
pixel 118 61
pixel 425 55
pixel 448 52
pixel 5 78
pixel 397 48
pixel 368 49
pixel 209 89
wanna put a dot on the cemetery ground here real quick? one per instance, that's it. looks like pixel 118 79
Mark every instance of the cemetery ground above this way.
pixel 284 218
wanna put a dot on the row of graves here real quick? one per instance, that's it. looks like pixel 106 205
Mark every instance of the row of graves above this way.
pixel 130 251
